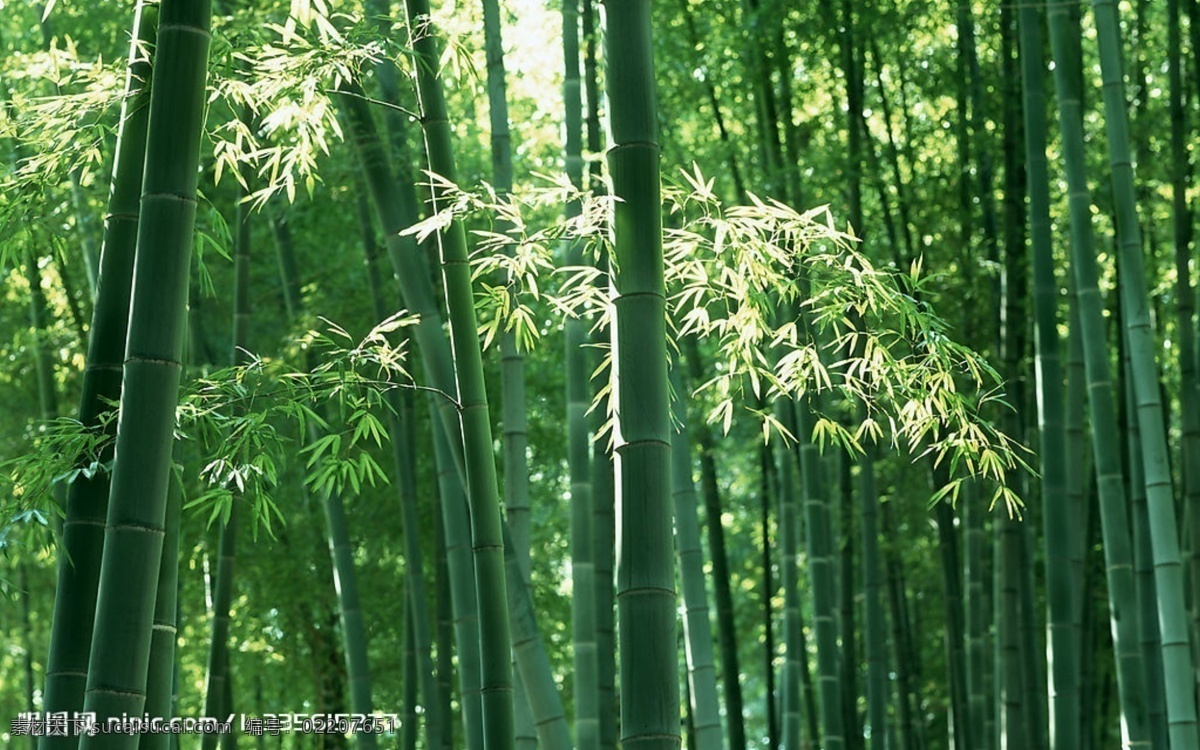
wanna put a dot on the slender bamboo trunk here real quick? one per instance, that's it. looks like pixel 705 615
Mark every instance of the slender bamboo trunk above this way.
pixel 160 677
pixel 955 656
pixel 1147 592
pixel 403 441
pixel 602 459
pixel 818 530
pixel 120 645
pixel 789 548
pixel 703 704
pixel 483 495
pixel 769 588
pixel 1189 396
pixel 1113 508
pixel 27 642
pixel 907 665
pixel 875 622
pixel 1012 724
pixel 218 652
pixel 646 566
pixel 973 615
pixel 445 630
pixel 583 567
pixel 850 662
pixel 722 587
pixel 218 655
pixel 1063 598
pixel 408 709
pixel 87 497
pixel 512 361
pixel 1008 704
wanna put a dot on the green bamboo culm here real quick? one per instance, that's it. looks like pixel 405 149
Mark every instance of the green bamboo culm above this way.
pixel 1059 536
pixel 703 704
pixel 646 630
pixel 218 654
pixel 818 533
pixel 395 205
pixel 134 530
pixel 1178 674
pixel 789 574
pixel 87 498
pixel 583 532
pixel 1110 489
pixel 1185 308
pixel 483 496
pixel 401 430
pixel 512 361
pixel 160 678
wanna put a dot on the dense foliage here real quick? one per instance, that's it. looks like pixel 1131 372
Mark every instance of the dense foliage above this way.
pixel 881 277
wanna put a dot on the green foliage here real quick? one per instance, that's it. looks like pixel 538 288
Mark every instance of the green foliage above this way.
pixel 235 416
pixel 56 118
pixel 734 276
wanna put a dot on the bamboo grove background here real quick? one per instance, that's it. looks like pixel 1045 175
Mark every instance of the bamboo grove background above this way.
pixel 560 531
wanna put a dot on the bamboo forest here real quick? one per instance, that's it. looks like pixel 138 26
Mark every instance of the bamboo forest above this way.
pixel 597 374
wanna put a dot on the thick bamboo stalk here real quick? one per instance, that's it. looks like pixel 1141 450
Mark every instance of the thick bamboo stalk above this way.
pixel 641 435
pixel 1062 601
pixel 135 523
pixel 87 497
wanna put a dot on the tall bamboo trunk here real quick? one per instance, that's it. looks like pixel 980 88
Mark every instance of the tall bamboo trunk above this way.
pixel 703 704
pixel 583 538
pixel 135 525
pixel 512 361
pixel 160 676
pixel 87 497
pixel 602 460
pixel 715 527
pixel 641 434
pixel 218 655
pixel 793 637
pixel 818 530
pixel 402 434
pixel 1174 626
pixel 1059 537
pixel 483 494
